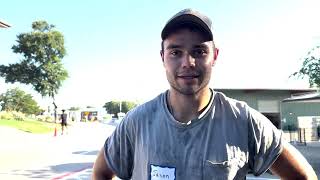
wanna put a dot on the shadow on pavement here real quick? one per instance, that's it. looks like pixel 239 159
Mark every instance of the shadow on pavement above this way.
pixel 28 174
pixel 86 152
pixel 54 171
pixel 312 153
pixel 70 167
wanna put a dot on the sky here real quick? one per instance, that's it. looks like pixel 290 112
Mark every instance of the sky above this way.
pixel 113 46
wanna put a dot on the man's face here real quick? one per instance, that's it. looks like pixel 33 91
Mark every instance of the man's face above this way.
pixel 188 59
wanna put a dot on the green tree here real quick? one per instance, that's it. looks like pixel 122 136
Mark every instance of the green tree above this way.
pixel 127 106
pixel 17 100
pixel 113 107
pixel 42 50
pixel 74 109
pixel 311 67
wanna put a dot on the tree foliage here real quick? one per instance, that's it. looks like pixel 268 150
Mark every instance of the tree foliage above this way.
pixel 311 67
pixel 113 107
pixel 74 108
pixel 42 50
pixel 17 100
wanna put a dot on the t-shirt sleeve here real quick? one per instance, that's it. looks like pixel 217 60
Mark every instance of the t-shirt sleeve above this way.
pixel 119 150
pixel 265 142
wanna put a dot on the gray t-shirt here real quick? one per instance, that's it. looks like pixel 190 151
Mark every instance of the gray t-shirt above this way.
pixel 225 142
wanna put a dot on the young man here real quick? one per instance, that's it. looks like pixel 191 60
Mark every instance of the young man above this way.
pixel 190 131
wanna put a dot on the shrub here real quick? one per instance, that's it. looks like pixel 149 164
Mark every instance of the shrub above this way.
pixel 12 115
pixel 44 118
pixel 6 115
pixel 18 116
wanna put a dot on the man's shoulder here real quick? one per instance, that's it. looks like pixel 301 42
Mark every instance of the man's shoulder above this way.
pixel 233 107
pixel 149 107
pixel 222 98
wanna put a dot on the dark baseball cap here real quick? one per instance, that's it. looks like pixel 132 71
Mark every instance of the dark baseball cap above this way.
pixel 191 18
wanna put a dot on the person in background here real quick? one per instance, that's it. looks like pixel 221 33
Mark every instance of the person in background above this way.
pixel 64 123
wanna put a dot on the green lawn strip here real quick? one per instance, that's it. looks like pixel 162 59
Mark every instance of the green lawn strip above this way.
pixel 31 126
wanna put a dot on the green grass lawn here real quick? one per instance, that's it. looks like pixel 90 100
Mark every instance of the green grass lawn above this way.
pixel 31 126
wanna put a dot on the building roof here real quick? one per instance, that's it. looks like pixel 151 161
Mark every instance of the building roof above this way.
pixel 304 97
pixel 291 90
pixel 4 25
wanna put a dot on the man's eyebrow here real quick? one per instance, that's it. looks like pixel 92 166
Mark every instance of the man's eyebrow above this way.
pixel 201 46
pixel 173 46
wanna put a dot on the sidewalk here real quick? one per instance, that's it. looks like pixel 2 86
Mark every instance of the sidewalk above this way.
pixel 19 149
pixel 26 156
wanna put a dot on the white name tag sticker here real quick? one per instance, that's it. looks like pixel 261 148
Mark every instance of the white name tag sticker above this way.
pixel 162 172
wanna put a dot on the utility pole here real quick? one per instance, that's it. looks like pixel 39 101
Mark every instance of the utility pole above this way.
pixel 55 112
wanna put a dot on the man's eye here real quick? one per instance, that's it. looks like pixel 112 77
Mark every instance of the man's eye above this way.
pixel 175 53
pixel 199 52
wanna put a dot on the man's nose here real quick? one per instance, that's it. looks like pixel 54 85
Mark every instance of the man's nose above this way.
pixel 188 60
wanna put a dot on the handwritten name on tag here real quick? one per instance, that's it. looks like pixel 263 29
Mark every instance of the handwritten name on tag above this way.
pixel 162 172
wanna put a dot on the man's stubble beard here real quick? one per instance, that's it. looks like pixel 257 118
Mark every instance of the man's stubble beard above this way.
pixel 189 91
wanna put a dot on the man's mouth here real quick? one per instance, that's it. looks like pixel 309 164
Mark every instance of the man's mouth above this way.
pixel 188 76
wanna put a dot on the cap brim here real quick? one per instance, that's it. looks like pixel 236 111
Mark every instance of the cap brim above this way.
pixel 188 19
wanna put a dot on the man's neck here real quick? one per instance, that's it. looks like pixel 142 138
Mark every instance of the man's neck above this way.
pixel 185 108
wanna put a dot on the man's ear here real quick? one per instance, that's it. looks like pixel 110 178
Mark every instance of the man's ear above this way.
pixel 216 52
pixel 162 55
pixel 215 56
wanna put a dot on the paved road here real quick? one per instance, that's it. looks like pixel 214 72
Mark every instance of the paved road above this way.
pixel 28 156
pixel 71 156
pixel 312 153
